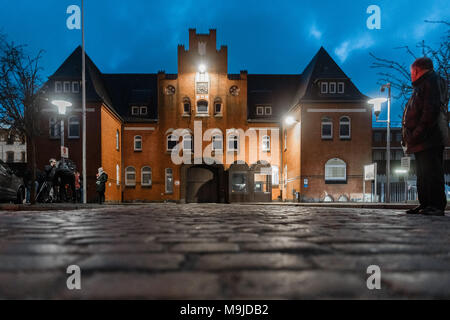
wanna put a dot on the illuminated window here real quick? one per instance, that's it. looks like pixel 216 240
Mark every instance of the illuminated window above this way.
pixel 266 143
pixel 335 170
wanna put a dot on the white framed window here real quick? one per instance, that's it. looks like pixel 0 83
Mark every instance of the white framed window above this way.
pixel 172 142
pixel 67 86
pixel 137 143
pixel 75 86
pixel 233 142
pixel 266 144
pixel 259 110
pixel 53 128
pixel 335 170
pixel 327 128
pixel 344 128
pixel 144 110
pixel 275 176
pixel 58 86
pixel 217 142
pixel 130 176
pixel 268 110
pixel 202 106
pixel 332 87
pixel 169 180
pixel 117 140
pixel 135 111
pixel 117 175
pixel 324 87
pixel 146 176
pixel 340 88
pixel 74 127
pixel 187 142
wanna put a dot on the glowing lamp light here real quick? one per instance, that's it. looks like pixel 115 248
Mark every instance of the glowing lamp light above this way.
pixel 62 105
pixel 401 171
pixel 377 102
pixel 202 68
pixel 290 120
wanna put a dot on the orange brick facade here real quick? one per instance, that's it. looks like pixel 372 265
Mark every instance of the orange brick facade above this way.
pixel 126 144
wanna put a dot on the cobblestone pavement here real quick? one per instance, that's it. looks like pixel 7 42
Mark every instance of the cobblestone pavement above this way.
pixel 172 251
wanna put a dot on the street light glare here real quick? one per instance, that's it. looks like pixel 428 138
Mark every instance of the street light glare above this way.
pixel 202 68
pixel 62 105
pixel 289 120
pixel 401 171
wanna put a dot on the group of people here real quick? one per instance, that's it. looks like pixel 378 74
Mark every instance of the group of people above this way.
pixel 54 182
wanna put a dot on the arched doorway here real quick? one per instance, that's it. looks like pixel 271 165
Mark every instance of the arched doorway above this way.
pixel 202 185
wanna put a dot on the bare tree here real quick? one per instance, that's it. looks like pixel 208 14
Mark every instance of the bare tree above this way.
pixel 20 94
pixel 398 73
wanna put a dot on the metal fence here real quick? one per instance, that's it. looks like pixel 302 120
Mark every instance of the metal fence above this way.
pixel 398 188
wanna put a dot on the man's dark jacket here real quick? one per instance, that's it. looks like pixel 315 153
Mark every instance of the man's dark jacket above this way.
pixel 101 181
pixel 420 129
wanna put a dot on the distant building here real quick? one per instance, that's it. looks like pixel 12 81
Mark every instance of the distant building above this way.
pixel 13 148
pixel 132 121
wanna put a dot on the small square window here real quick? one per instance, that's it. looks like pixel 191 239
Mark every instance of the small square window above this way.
pixel 324 87
pixel 67 86
pixel 75 87
pixel 260 111
pixel 187 108
pixel 135 111
pixel 340 87
pixel 268 111
pixel 143 111
pixel 58 86
pixel 332 87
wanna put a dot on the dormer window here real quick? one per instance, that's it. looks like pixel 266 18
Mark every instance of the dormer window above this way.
pixel 332 87
pixel 67 86
pixel 260 110
pixel 135 111
pixel 58 86
pixel 340 87
pixel 324 87
pixel 143 110
pixel 75 87
pixel 268 110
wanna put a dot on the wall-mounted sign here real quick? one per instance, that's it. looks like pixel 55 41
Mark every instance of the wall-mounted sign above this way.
pixel 406 163
pixel 370 171
pixel 64 152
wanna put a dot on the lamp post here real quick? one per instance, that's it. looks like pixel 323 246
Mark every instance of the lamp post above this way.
pixel 377 110
pixel 62 108
pixel 83 103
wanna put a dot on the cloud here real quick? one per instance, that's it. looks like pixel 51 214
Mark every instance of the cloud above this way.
pixel 314 32
pixel 344 50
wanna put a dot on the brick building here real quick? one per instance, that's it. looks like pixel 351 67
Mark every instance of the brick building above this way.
pixel 228 129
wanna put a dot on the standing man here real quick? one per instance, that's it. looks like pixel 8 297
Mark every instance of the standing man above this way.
pixel 102 177
pixel 424 137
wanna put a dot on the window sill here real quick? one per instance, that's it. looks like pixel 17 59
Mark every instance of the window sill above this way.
pixel 138 150
pixel 335 181
pixel 218 115
pixel 186 115
pixel 130 186
pixel 200 115
pixel 345 138
pixel 146 186
pixel 327 138
pixel 74 138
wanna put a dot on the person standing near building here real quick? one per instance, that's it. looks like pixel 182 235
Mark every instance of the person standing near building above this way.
pixel 102 178
pixel 424 134
pixel 77 195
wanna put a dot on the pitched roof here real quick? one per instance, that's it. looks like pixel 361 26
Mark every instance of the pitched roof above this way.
pixel 276 90
pixel 323 67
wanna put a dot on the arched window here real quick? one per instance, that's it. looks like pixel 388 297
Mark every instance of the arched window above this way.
pixel 327 128
pixel 202 106
pixel 172 142
pixel 137 143
pixel 344 128
pixel 146 176
pixel 266 143
pixel 117 175
pixel 217 140
pixel 130 176
pixel 217 106
pixel 187 142
pixel 117 140
pixel 233 142
pixel 53 128
pixel 74 127
pixel 186 106
pixel 335 170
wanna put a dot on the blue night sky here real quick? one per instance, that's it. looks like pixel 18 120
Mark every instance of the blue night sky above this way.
pixel 262 36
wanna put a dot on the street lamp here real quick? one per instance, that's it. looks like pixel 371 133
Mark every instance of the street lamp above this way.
pixel 377 110
pixel 290 120
pixel 62 108
pixel 202 68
